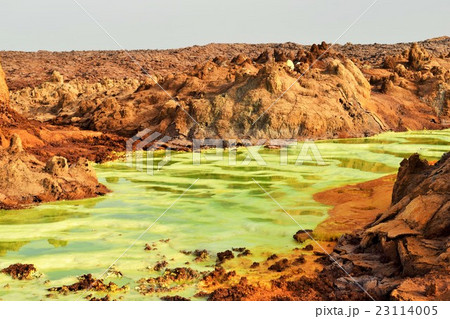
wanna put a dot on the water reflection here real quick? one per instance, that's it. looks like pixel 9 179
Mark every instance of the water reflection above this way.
pixel 365 166
pixel 11 246
pixel 41 216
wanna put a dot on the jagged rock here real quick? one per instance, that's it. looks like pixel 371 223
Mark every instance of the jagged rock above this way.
pixel 239 59
pixel 15 145
pixel 273 81
pixel 386 85
pixel 25 180
pixel 57 165
pixel 20 271
pixel 88 282
pixel 323 46
pixel 220 60
pixel 420 193
pixel 280 56
pixel 57 77
pixel 350 73
pixel 413 234
pixel 264 57
pixel 439 225
pixel 418 57
pixel 401 70
pixel 429 287
pixel 412 171
pixel 390 62
pixel 74 98
pixel 174 298
pixel 314 49
pixel 332 98
pixel 51 187
pixel 225 255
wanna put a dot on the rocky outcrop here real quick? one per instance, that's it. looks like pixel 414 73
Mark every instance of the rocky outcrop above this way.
pixel 7 116
pixel 287 91
pixel 20 271
pixel 32 170
pixel 280 93
pixel 405 253
pixel 25 180
pixel 56 97
pixel 418 58
pixel 44 140
pixel 4 93
pixel 415 229
pixel 411 173
pixel 417 69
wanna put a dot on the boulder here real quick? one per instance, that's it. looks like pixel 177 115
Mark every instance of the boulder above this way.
pixel 412 235
pixel 411 172
pixel 57 165
pixel 303 235
pixel 15 145
pixel 418 57
pixel 280 56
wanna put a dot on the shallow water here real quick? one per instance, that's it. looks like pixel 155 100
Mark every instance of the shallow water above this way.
pixel 225 208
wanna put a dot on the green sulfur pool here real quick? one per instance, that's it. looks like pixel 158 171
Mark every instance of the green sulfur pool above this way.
pixel 225 208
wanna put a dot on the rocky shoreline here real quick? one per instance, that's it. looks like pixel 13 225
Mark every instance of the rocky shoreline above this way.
pixel 396 251
pixel 34 169
pixel 395 248
pixel 26 180
pixel 333 93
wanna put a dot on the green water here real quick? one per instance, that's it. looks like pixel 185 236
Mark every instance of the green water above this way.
pixel 225 208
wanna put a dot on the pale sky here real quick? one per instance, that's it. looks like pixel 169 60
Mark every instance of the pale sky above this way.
pixel 61 25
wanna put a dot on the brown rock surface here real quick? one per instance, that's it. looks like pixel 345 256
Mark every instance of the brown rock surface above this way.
pixel 303 235
pixel 89 283
pixel 4 93
pixel 26 180
pixel 30 69
pixel 20 271
pixel 418 57
pixel 222 97
pixel 29 176
pixel 408 240
pixel 44 141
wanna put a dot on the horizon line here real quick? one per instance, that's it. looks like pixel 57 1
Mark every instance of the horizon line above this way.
pixel 438 38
